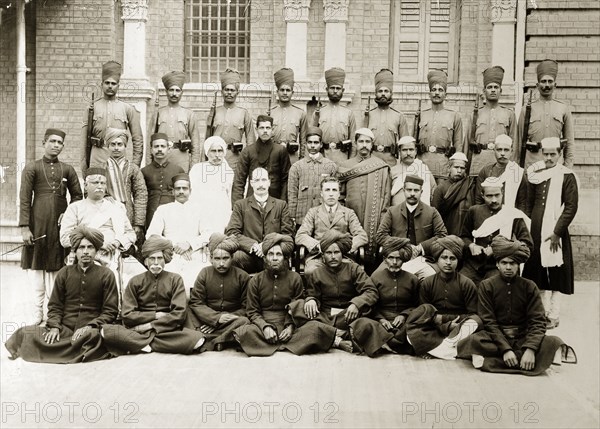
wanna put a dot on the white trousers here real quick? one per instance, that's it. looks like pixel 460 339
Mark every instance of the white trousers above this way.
pixel 551 301
pixel 41 284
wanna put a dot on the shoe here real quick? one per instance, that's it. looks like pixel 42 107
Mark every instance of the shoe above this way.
pixel 552 323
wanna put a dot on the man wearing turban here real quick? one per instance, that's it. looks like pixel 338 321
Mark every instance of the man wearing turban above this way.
pixel 270 294
pixel 388 124
pixel 512 312
pixel 493 120
pixel 336 121
pixel 549 118
pixel 110 112
pixel 154 309
pixel 72 331
pixel 231 122
pixel 441 130
pixel 409 164
pixel 289 121
pixel 218 300
pixel 448 310
pixel 179 124
pixel 45 184
pixel 485 221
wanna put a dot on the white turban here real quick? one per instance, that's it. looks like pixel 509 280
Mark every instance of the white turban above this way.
pixel 214 140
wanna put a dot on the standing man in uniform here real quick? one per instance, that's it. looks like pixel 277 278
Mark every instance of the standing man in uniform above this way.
pixel 492 120
pixel 289 121
pixel 232 122
pixel 109 112
pixel 336 121
pixel 387 123
pixel 179 123
pixel 549 118
pixel 441 132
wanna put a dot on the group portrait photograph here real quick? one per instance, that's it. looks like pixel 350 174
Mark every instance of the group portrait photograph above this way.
pixel 300 213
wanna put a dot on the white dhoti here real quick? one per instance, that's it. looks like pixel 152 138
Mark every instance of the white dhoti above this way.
pixel 189 269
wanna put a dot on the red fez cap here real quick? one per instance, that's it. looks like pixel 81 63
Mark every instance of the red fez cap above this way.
pixel 437 76
pixel 413 179
pixel 230 77
pixel 335 76
pixel 284 76
pixel 493 74
pixel 54 132
pixel 176 78
pixel 111 69
pixel 180 176
pixel 547 67
pixel 384 78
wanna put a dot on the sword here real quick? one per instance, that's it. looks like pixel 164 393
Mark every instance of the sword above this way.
pixel 18 247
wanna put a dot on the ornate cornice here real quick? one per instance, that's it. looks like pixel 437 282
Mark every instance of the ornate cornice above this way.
pixel 504 11
pixel 296 10
pixel 134 10
pixel 336 10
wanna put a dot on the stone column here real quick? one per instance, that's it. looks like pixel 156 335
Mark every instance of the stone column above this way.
pixel 335 18
pixel 504 19
pixel 295 13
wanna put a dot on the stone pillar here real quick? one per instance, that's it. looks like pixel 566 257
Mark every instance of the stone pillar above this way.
pixel 504 19
pixel 335 18
pixel 295 13
pixel 21 107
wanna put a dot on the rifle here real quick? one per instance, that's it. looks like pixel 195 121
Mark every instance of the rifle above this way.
pixel 90 124
pixel 473 147
pixel 156 111
pixel 269 107
pixel 210 121
pixel 416 129
pixel 317 112
pixel 525 135
pixel 366 118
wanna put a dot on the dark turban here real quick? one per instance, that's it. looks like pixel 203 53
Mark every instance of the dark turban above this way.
pixel 547 67
pixel 111 69
pixel 156 243
pixel 344 241
pixel 399 244
pixel 94 236
pixel 223 242
pixel 384 78
pixel 494 74
pixel 335 76
pixel 437 76
pixel 452 243
pixel 284 76
pixel 176 78
pixel 113 133
pixel 230 77
pixel 516 250
pixel 54 132
pixel 272 239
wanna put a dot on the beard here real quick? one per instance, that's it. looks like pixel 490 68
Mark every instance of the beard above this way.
pixel 276 270
pixel 383 101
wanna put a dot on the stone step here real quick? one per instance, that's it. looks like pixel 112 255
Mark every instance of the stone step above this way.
pixel 10 239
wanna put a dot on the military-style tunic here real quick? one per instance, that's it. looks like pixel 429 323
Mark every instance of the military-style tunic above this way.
pixel 440 130
pixel 289 125
pixel 180 124
pixel 338 124
pixel 388 125
pixel 232 124
pixel 160 187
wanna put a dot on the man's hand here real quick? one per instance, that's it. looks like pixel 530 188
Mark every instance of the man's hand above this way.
pixel 270 335
pixel 351 313
pixel 528 360
pixel 554 242
pixel 311 309
pixel 488 251
pixel 416 251
pixel 454 323
pixel 187 255
pixel 139 233
pixel 386 324
pixel 181 247
pixel 257 250
pixel 475 249
pixel 27 236
pixel 510 359
pixel 399 321
pixel 437 319
pixel 52 335
pixel 60 219
pixel 144 327
pixel 226 318
pixel 112 246
pixel 205 329
pixel 286 334
pixel 159 314
pixel 79 332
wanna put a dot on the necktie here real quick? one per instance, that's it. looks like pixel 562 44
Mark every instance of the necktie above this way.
pixel 330 215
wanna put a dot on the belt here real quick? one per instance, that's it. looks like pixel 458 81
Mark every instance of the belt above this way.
pixel 235 147
pixel 382 148
pixel 436 149
pixel 97 141
pixel 533 146
pixel 183 145
pixel 481 146
pixel 291 146
pixel 343 145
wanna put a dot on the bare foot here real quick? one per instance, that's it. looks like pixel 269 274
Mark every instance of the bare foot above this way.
pixel 345 345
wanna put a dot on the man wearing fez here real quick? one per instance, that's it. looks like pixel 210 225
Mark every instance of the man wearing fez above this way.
pixel 366 187
pixel 218 301
pixel 270 293
pixel 330 215
pixel 512 313
pixel 388 124
pixel 398 296
pixel 418 222
pixel 232 122
pixel 159 175
pixel 454 194
pixel 305 176
pixel 485 221
pixel 552 201
pixel 255 217
pixel 441 131
pixel 508 172
pixel 289 121
pixel 448 310
pixel 109 112
pixel 179 124
pixel 84 298
pixel 409 164
pixel 42 201
pixel 267 154
pixel 336 121
pixel 493 120
pixel 154 309
pixel 549 118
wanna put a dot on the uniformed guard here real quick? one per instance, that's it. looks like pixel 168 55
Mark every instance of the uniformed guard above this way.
pixel 388 124
pixel 336 121
pixel 289 121
pixel 109 112
pixel 492 120
pixel 441 132
pixel 549 118
pixel 179 123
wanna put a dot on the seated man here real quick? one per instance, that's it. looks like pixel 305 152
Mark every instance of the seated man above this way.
pixel 255 217
pixel 72 331
pixel 154 309
pixel 448 310
pixel 329 215
pixel 183 224
pixel 512 312
pixel 418 222
pixel 270 293
pixel 398 296
pixel 410 164
pixel 218 301
pixel 482 223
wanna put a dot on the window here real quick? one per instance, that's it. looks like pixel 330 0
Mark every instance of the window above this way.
pixel 423 36
pixel 217 36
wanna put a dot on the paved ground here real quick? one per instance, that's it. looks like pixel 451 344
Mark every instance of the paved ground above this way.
pixel 330 390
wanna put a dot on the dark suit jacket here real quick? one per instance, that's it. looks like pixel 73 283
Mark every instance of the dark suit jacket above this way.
pixel 249 226
pixel 428 225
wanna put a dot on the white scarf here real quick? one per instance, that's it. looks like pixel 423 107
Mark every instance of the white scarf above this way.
pixel 512 176
pixel 501 221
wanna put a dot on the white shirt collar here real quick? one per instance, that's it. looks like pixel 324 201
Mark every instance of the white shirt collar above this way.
pixel 261 200
pixel 411 208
